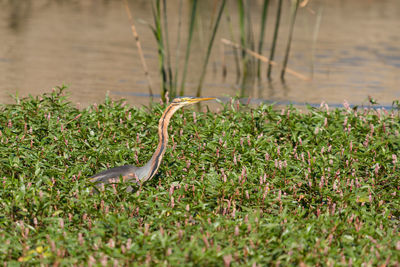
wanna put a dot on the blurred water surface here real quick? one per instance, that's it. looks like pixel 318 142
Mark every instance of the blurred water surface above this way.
pixel 88 45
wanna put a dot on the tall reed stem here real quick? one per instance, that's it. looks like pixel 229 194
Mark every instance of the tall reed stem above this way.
pixel 243 43
pixel 315 36
pixel 177 55
pixel 157 30
pixel 294 7
pixel 167 51
pixel 275 38
pixel 210 44
pixel 262 33
pixel 189 43
pixel 139 47
pixel 249 70
pixel 235 50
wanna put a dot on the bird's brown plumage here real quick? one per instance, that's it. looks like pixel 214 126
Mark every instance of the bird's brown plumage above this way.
pixel 146 172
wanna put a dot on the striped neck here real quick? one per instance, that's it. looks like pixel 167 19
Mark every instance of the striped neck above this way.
pixel 151 167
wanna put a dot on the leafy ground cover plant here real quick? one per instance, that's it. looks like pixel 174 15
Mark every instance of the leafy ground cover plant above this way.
pixel 241 186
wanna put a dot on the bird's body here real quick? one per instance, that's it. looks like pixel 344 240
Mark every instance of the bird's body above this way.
pixel 146 172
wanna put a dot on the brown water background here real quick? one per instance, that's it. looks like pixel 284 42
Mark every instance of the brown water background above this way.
pixel 88 45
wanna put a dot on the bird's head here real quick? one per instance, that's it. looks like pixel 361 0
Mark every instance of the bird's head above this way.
pixel 184 101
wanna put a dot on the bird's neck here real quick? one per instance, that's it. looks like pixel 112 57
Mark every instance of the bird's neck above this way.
pixel 152 166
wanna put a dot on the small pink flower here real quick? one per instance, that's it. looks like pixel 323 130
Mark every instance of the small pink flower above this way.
pixel 194 117
pixel 346 105
pixel 236 230
pixel 377 167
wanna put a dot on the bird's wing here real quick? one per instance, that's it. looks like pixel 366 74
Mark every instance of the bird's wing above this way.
pixel 127 172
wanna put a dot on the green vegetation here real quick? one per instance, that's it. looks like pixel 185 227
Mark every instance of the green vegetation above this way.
pixel 236 187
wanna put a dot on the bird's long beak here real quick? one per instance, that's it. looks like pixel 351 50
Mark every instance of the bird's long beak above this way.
pixel 195 100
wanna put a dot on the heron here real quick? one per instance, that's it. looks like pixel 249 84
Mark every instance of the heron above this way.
pixel 131 173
